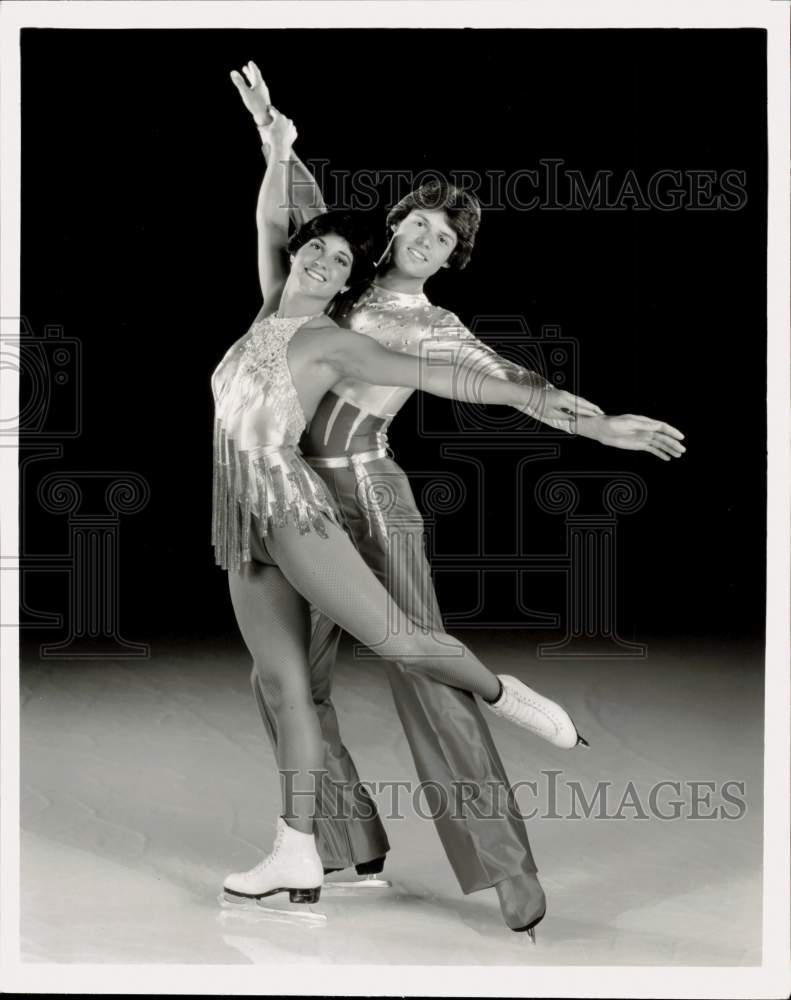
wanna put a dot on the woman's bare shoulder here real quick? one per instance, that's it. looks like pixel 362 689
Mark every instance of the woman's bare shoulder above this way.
pixel 321 324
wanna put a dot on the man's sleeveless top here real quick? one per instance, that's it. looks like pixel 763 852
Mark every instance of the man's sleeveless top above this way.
pixel 258 420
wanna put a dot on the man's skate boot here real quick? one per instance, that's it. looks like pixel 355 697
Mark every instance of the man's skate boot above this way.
pixel 294 866
pixel 531 710
pixel 368 876
pixel 522 902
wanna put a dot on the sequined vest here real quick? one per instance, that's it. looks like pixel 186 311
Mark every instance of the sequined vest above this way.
pixel 258 420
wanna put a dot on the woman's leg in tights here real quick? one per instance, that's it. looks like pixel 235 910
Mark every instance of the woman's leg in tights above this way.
pixel 275 624
pixel 330 573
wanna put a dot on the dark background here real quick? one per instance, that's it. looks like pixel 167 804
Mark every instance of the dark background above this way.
pixel 140 171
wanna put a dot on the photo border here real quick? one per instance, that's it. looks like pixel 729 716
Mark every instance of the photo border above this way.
pixel 772 977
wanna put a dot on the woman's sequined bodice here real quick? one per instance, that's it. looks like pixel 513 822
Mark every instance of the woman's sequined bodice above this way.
pixel 254 394
pixel 258 419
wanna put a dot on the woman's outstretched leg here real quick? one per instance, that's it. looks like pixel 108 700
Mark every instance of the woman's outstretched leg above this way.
pixel 331 574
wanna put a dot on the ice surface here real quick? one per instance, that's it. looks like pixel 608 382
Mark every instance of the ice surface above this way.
pixel 143 784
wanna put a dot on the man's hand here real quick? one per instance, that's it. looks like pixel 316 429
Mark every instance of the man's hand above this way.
pixel 256 95
pixel 280 135
pixel 635 434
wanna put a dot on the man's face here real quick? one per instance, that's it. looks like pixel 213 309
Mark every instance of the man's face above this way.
pixel 423 242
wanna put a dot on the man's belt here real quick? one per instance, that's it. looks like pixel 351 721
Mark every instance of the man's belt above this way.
pixel 370 499
pixel 345 461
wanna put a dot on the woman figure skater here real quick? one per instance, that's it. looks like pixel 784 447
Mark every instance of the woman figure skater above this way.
pixel 274 526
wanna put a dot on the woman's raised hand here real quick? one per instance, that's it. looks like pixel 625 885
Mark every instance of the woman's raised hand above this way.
pixel 254 92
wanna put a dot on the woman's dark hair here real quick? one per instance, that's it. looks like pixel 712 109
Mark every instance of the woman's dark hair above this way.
pixel 349 225
pixel 462 209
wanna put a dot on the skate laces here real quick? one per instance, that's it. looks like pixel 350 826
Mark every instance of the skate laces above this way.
pixel 268 859
pixel 519 695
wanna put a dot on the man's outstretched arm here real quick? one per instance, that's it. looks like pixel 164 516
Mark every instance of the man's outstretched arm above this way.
pixel 481 357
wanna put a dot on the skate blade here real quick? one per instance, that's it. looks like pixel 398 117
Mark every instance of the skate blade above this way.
pixel 366 882
pixel 259 911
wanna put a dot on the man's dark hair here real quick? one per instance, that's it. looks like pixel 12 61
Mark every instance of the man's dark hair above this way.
pixel 461 207
pixel 352 227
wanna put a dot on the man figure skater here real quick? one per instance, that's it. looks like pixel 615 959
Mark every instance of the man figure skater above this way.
pixel 432 228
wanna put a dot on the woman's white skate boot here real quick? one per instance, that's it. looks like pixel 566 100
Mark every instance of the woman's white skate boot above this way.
pixel 531 710
pixel 294 866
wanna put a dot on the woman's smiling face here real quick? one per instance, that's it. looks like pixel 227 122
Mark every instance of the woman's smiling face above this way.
pixel 322 266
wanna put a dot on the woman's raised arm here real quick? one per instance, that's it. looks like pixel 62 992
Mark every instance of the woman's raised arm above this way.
pixel 271 214
pixel 305 200
pixel 272 210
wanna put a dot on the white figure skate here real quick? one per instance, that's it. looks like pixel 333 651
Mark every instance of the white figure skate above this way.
pixel 531 710
pixel 294 866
